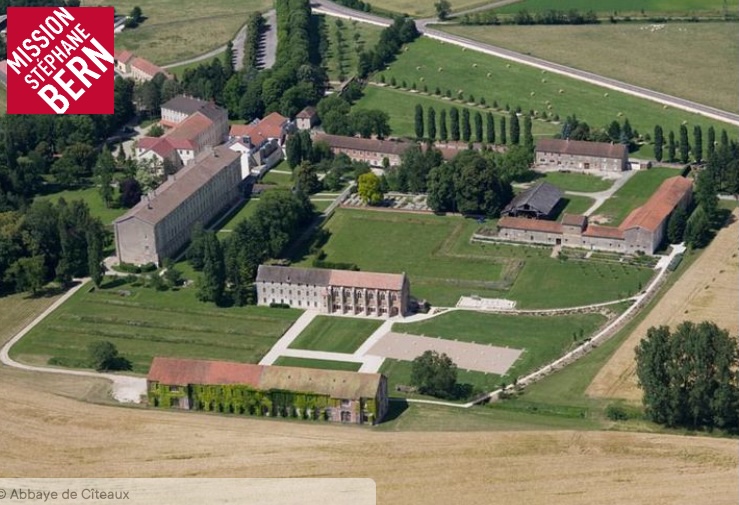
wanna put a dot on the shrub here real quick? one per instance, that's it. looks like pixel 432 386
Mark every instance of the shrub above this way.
pixel 616 413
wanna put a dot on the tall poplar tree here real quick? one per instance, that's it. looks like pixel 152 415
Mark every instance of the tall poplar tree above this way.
pixel 419 121
pixel 659 141
pixel 466 130
pixel 684 144
pixel 503 139
pixel 697 143
pixel 442 126
pixel 711 142
pixel 478 126
pixel 515 129
pixel 431 126
pixel 671 147
pixel 454 123
pixel 490 128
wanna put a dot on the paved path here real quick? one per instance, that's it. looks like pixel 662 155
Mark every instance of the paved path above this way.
pixel 269 41
pixel 330 8
pixel 601 196
pixel 290 335
pixel 125 389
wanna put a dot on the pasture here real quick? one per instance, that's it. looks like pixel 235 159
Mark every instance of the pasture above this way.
pixel 442 263
pixel 323 364
pixel 664 57
pixel 177 30
pixel 143 323
pixel 452 67
pixel 335 334
pixel 633 194
pixel 543 338
pixel 400 105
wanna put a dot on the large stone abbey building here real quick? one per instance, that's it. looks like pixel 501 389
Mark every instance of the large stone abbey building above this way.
pixel 334 291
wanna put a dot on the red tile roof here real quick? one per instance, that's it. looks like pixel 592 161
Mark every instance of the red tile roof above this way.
pixel 123 56
pixel 574 220
pixel 521 223
pixel 594 230
pixel 369 280
pixel 652 214
pixel 191 128
pixel 240 130
pixel 307 113
pixel 148 67
pixel 181 372
pixel 582 148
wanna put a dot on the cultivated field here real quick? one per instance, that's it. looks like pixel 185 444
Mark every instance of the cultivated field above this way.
pixel 177 30
pixel 400 105
pixel 436 253
pixel 530 88
pixel 543 338
pixel 633 194
pixel 143 323
pixel 335 334
pixel 45 435
pixel 660 57
pixel 634 8
pixel 706 291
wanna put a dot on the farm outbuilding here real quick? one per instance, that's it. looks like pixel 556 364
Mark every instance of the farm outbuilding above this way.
pixel 537 202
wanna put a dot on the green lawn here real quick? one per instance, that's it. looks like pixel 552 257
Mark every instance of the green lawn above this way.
pixel 400 105
pixel 528 87
pixel 242 213
pixel 91 196
pixel 143 323
pixel 627 7
pixel 175 30
pixel 555 283
pixel 543 338
pixel 321 204
pixel 278 179
pixel 573 204
pixel 583 183
pixel 634 193
pixel 323 364
pixel 335 334
pixel 442 263
pixel 604 50
pixel 3 100
pixel 355 38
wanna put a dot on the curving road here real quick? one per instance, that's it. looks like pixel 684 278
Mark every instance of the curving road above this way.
pixel 330 8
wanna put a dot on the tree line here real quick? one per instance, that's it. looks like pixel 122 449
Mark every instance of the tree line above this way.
pixel 254 29
pixel 49 242
pixel 402 31
pixel 689 376
pixel 228 268
pixel 524 17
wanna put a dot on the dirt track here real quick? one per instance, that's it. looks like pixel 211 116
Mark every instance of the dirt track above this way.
pixel 707 291
pixel 46 435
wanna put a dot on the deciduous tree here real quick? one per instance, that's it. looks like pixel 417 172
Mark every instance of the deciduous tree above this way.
pixel 369 189
pixel 434 374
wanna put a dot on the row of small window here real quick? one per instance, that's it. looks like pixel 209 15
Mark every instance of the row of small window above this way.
pixel 300 303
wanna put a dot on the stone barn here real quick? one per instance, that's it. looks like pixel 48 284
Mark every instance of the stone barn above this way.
pixel 581 156
pixel 276 391
pixel 536 202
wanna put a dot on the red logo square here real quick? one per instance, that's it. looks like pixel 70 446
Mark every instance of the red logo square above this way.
pixel 60 60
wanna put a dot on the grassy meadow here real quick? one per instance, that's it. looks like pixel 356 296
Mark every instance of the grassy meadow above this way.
pixel 663 59
pixel 627 7
pixel 143 323
pixel 177 30
pixel 634 193
pixel 91 196
pixel 342 56
pixel 442 263
pixel 452 67
pixel 335 334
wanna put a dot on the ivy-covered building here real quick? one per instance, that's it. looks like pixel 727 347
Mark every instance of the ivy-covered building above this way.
pixel 242 388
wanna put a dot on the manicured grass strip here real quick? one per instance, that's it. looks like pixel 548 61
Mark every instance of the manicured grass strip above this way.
pixel 143 323
pixel 356 37
pixel 242 213
pixel 335 334
pixel 530 88
pixel 582 183
pixel 278 179
pixel 634 193
pixel 571 204
pixel 323 364
pixel 543 338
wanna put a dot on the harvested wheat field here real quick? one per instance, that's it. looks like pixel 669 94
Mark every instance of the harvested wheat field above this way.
pixel 708 290
pixel 47 435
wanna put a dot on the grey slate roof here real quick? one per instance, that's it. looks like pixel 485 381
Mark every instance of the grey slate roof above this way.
pixel 293 275
pixel 185 104
pixel 582 148
pixel 541 198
